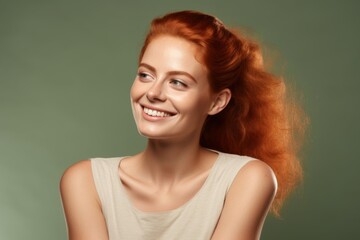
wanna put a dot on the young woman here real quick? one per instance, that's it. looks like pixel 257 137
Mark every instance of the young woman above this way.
pixel 220 149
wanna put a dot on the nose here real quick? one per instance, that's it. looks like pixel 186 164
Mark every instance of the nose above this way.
pixel 156 92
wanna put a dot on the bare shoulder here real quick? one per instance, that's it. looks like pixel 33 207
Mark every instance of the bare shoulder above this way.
pixel 82 167
pixel 247 202
pixel 78 175
pixel 255 184
pixel 77 183
pixel 81 203
pixel 257 173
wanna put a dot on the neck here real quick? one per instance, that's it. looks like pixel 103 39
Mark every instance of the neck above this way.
pixel 171 161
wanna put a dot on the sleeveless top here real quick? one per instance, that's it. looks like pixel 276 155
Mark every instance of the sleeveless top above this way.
pixel 196 219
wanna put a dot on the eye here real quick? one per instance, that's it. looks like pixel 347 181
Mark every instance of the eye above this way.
pixel 178 83
pixel 144 76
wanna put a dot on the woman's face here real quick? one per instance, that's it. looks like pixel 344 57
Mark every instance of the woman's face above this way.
pixel 170 95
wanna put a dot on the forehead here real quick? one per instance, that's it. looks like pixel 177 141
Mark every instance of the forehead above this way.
pixel 174 52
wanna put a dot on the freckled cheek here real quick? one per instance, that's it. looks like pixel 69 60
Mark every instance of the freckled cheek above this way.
pixel 132 93
pixel 192 104
pixel 136 91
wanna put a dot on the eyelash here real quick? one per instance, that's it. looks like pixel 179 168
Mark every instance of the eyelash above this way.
pixel 175 82
pixel 143 75
pixel 178 83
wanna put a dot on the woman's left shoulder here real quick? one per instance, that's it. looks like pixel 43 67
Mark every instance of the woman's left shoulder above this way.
pixel 247 202
pixel 256 175
pixel 249 168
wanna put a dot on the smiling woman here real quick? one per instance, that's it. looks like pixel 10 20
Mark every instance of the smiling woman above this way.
pixel 220 149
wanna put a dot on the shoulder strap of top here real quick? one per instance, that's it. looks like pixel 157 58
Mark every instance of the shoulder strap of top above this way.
pixel 228 167
pixel 104 176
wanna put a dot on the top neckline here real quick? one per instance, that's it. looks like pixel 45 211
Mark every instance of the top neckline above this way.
pixel 171 211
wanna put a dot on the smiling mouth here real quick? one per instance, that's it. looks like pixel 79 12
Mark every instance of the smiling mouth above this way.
pixel 156 113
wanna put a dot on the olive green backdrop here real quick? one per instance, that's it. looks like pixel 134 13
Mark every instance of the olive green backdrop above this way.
pixel 65 72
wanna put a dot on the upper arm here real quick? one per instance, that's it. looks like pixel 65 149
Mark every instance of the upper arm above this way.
pixel 81 203
pixel 247 203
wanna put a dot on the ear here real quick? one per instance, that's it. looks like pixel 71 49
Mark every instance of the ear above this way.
pixel 220 102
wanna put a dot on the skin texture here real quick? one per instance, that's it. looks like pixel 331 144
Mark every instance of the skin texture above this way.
pixel 173 166
pixel 160 85
pixel 81 204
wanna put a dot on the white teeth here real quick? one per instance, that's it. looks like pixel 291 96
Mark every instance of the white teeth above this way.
pixel 155 113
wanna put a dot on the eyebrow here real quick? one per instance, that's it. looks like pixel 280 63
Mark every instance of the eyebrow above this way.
pixel 151 68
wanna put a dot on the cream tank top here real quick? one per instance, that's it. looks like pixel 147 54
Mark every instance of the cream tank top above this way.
pixel 194 220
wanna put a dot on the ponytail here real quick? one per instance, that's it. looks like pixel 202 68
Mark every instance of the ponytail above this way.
pixel 256 122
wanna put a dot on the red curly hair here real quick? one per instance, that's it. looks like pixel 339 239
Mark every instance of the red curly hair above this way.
pixel 259 120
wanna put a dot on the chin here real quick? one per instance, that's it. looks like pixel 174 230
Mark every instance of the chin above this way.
pixel 152 134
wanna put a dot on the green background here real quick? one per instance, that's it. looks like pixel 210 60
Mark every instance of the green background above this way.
pixel 65 72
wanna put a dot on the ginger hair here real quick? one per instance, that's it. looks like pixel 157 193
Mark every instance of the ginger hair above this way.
pixel 260 120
